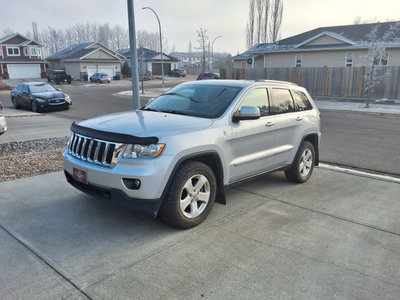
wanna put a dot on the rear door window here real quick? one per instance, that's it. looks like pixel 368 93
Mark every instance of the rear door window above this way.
pixel 282 101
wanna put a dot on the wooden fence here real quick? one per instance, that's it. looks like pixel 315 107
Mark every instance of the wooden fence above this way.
pixel 325 81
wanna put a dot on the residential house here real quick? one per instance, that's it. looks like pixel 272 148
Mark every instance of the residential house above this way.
pixel 150 61
pixel 21 57
pixel 335 46
pixel 83 60
pixel 187 59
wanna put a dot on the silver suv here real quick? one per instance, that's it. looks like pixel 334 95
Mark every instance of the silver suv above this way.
pixel 177 155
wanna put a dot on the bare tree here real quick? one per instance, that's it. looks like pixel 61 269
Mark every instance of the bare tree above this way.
pixel 204 43
pixel 267 6
pixel 149 40
pixel 119 38
pixel 377 56
pixel 35 31
pixel 265 19
pixel 276 19
pixel 116 38
pixel 250 25
pixel 7 31
pixel 259 14
pixel 357 20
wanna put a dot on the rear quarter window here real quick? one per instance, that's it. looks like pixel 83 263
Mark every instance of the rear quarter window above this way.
pixel 301 101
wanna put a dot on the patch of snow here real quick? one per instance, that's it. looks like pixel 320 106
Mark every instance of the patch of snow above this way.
pixel 351 106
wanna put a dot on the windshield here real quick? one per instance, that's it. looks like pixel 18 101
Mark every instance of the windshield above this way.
pixel 39 88
pixel 206 101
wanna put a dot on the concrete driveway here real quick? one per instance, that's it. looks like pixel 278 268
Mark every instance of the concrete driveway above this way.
pixel 335 237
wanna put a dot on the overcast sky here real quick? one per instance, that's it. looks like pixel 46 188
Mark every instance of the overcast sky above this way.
pixel 181 19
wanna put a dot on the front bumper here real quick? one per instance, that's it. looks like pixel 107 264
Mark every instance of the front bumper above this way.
pixel 145 208
pixel 53 106
pixel 114 183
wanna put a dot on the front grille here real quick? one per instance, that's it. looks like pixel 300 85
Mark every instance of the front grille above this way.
pixel 95 151
pixel 57 101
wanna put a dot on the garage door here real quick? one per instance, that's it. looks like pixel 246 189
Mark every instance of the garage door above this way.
pixel 157 68
pixel 107 70
pixel 24 71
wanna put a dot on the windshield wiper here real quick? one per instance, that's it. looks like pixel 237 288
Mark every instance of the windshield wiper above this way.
pixel 174 112
pixel 179 95
pixel 150 109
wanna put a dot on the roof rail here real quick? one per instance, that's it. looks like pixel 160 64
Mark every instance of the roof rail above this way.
pixel 275 81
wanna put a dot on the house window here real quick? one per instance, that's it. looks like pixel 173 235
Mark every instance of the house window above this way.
pixel 349 59
pixel 13 51
pixel 33 51
pixel 298 60
pixel 382 59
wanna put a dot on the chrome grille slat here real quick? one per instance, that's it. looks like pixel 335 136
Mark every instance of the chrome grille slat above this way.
pixel 95 151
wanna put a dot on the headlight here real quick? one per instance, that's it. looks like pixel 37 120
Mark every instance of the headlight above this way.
pixel 41 100
pixel 143 151
pixel 67 98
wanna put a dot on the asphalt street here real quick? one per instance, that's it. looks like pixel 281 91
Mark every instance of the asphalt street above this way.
pixel 367 141
pixel 335 237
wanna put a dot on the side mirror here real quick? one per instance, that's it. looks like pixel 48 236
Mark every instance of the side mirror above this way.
pixel 247 113
pixel 150 100
pixel 58 90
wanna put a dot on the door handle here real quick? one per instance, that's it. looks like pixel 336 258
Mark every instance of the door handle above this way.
pixel 299 118
pixel 269 124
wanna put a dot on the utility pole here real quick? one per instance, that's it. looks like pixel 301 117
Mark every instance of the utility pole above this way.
pixel 134 58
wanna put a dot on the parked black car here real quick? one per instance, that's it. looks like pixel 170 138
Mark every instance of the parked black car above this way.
pixel 39 96
pixel 59 76
pixel 177 72
pixel 207 76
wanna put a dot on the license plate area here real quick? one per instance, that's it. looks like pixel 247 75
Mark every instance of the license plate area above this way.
pixel 80 175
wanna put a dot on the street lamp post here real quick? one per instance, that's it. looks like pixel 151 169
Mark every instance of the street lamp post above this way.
pixel 212 52
pixel 162 63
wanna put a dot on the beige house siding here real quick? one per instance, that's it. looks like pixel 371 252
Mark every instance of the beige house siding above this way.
pixel 73 69
pixel 100 55
pixel 325 40
pixel 394 57
pixel 317 59
pixel 76 70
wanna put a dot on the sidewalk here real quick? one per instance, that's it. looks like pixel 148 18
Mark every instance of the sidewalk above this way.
pixel 335 237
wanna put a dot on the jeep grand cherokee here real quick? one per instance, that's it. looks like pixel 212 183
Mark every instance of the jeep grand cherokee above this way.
pixel 176 155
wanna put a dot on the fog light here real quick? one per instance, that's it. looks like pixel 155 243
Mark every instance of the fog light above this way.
pixel 131 184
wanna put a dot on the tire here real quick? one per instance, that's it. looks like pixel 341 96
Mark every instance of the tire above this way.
pixel 69 81
pixel 303 164
pixel 57 81
pixel 34 107
pixel 99 81
pixel 15 103
pixel 190 197
pixel 48 79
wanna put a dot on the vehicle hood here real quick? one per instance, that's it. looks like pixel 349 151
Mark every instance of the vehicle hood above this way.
pixel 146 123
pixel 49 95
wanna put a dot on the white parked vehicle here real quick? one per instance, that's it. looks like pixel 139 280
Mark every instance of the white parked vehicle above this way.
pixel 177 155
pixel 3 122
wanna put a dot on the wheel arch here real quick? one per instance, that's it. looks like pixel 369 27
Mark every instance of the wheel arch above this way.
pixel 314 140
pixel 213 161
